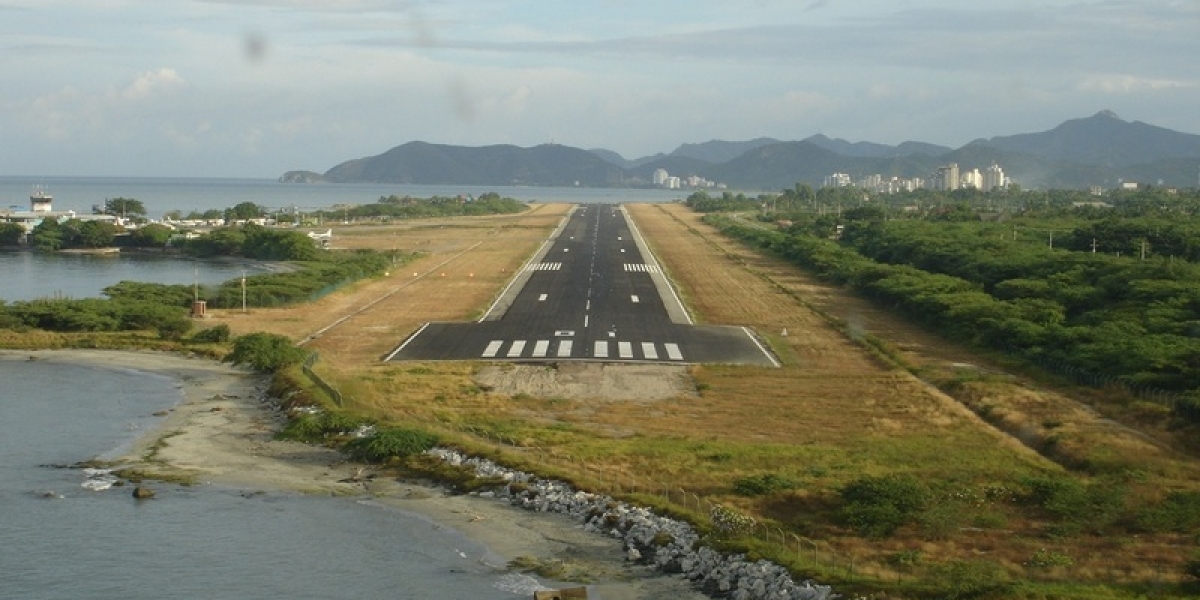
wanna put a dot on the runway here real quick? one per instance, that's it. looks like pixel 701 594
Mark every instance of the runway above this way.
pixel 593 292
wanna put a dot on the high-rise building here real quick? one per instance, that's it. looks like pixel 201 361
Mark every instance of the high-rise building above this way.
pixel 838 180
pixel 660 176
pixel 973 179
pixel 947 177
pixel 993 177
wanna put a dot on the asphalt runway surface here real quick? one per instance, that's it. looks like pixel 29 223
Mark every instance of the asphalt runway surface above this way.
pixel 594 293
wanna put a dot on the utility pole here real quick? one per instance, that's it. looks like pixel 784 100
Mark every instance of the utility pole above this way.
pixel 243 291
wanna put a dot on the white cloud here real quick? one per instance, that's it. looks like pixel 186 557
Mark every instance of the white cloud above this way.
pixel 1131 84
pixel 152 82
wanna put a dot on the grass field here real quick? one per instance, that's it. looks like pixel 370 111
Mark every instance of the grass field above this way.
pixel 839 409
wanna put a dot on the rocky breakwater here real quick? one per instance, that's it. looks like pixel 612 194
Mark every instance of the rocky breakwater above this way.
pixel 672 546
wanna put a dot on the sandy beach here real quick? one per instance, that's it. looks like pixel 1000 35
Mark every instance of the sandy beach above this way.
pixel 221 432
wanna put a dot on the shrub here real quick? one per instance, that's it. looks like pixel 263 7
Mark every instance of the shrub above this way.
pixel 315 427
pixel 728 521
pixel 1078 507
pixel 878 506
pixel 218 334
pixel 972 579
pixel 388 444
pixel 762 485
pixel 1179 513
pixel 266 352
pixel 1192 567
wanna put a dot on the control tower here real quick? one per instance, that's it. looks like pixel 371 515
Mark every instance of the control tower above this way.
pixel 40 200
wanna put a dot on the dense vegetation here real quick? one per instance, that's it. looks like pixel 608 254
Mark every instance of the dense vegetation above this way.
pixel 1106 295
pixel 406 207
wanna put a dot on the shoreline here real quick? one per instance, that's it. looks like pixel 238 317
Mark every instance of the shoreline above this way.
pixel 221 433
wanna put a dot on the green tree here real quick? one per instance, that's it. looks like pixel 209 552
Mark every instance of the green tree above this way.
pixel 94 234
pixel 244 211
pixel 266 352
pixel 124 207
pixel 47 236
pixel 11 234
pixel 225 241
pixel 153 235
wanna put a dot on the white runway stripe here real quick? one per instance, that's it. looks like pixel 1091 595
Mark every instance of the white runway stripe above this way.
pixel 600 349
pixel 642 268
pixel 544 266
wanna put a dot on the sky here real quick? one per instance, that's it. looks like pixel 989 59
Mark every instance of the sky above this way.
pixel 254 88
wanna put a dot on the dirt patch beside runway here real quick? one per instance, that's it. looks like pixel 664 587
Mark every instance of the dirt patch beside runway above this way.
pixel 589 381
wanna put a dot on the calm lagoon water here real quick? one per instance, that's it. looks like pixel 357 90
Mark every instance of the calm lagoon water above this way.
pixel 61 540
pixel 33 275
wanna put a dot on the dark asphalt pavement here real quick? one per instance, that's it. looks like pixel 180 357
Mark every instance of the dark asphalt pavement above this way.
pixel 589 295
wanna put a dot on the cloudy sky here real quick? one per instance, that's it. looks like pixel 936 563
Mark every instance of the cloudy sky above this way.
pixel 253 88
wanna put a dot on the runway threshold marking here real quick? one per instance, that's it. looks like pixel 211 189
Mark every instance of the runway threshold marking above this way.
pixel 492 349
pixel 540 348
pixel 600 349
pixel 516 348
pixel 673 352
pixel 564 348
pixel 625 349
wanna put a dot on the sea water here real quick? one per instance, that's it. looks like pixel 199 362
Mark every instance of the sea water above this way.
pixel 167 194
pixel 68 533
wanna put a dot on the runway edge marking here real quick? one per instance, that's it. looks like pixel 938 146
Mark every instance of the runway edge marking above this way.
pixel 763 349
pixel 400 348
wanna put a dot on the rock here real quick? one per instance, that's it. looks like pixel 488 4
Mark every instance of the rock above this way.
pixel 142 493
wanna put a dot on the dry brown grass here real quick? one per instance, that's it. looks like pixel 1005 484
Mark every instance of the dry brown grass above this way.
pixel 834 412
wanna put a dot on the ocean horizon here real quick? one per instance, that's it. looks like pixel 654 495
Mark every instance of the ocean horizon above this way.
pixel 161 195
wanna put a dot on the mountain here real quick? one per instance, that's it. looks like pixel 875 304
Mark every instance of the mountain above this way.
pixel 1098 150
pixel 719 151
pixel 873 150
pixel 1103 139
pixel 436 164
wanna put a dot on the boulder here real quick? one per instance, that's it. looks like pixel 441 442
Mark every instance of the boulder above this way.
pixel 142 493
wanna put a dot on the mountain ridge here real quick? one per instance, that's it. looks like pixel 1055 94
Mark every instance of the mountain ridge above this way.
pixel 1100 150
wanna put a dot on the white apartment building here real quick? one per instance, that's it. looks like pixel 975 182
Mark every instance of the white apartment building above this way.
pixel 660 177
pixel 972 179
pixel 993 177
pixel 838 180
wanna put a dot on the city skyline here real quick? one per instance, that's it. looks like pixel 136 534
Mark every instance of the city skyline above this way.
pixel 258 87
